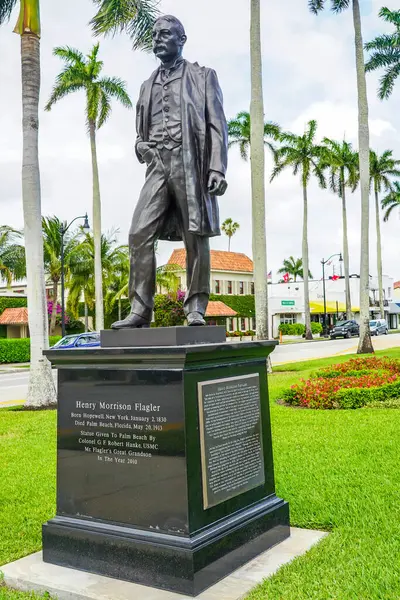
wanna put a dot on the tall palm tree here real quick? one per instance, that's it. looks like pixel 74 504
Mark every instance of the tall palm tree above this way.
pixel 257 157
pixel 382 168
pixel 391 201
pixel 301 154
pixel 41 390
pixel 239 133
pixel 293 266
pixel 386 53
pixel 230 227
pixel 12 255
pixel 337 6
pixel 84 74
pixel 342 162
pixel 52 256
pixel 81 280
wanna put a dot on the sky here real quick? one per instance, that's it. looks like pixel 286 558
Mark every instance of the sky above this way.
pixel 308 73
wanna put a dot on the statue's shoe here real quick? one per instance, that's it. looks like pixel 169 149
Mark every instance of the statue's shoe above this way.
pixel 132 321
pixel 195 319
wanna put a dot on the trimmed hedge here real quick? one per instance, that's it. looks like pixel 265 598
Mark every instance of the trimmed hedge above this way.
pixel 6 302
pixel 18 350
pixel 358 397
pixel 299 328
pixel 243 305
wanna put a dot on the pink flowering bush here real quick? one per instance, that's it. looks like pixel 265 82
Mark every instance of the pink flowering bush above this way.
pixel 348 385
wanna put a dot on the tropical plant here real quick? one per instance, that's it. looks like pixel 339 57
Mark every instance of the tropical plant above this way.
pixel 41 390
pixel 293 266
pixel 12 255
pixel 337 6
pixel 342 162
pixel 382 168
pixel 301 154
pixel 81 279
pixel 391 201
pixel 84 73
pixel 230 227
pixel 385 51
pixel 134 17
pixel 239 130
pixel 52 256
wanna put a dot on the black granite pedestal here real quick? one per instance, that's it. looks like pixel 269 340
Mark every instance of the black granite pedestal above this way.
pixel 164 469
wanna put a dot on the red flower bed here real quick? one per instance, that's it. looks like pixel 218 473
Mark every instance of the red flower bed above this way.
pixel 320 391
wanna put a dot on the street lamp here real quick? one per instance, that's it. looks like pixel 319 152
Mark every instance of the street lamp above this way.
pixel 323 263
pixel 63 230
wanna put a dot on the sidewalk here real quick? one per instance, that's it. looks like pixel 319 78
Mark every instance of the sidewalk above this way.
pixel 14 368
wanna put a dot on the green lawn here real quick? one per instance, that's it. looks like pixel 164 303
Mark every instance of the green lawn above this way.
pixel 339 470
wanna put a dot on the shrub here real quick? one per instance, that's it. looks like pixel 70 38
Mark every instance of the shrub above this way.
pixel 355 398
pixel 292 328
pixel 316 328
pixel 18 350
pixel 168 310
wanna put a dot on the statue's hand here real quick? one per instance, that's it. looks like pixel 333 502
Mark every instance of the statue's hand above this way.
pixel 217 184
pixel 144 147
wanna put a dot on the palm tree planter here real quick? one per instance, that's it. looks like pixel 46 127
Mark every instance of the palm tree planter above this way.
pixel 365 343
pixel 83 73
pixel 41 391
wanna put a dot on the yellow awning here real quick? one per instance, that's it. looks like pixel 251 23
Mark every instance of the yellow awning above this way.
pixel 331 307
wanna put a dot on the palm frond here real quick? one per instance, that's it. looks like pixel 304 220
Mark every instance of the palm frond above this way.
pixel 70 55
pixel 316 5
pixel 135 17
pixel 6 8
pixel 116 88
pixel 340 5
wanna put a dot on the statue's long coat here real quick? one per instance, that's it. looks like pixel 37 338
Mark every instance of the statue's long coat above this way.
pixel 204 145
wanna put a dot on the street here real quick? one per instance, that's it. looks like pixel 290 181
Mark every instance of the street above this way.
pixel 14 386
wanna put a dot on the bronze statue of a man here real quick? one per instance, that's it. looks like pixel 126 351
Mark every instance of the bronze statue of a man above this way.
pixel 182 137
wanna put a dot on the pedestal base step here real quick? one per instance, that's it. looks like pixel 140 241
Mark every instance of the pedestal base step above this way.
pixel 32 574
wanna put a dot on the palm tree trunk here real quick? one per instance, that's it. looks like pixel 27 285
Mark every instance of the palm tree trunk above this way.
pixel 258 175
pixel 346 259
pixel 54 309
pixel 379 254
pixel 86 316
pixel 229 243
pixel 98 275
pixel 41 391
pixel 306 269
pixel 365 343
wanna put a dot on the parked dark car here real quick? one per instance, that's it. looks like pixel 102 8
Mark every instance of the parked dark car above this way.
pixel 80 340
pixel 378 327
pixel 345 329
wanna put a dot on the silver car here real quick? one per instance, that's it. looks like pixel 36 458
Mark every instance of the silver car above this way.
pixel 379 327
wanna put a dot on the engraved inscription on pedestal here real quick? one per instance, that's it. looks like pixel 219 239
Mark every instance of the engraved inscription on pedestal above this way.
pixel 230 437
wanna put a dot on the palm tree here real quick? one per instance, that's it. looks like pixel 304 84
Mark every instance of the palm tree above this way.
pixel 365 343
pixel 391 201
pixel 382 168
pixel 81 278
pixel 12 255
pixel 41 391
pixel 84 73
pixel 135 17
pixel 230 227
pixel 386 53
pixel 257 157
pixel 293 266
pixel 303 156
pixel 342 162
pixel 239 133
pixel 52 257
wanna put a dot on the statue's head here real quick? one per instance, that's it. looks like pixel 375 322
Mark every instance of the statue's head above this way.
pixel 168 38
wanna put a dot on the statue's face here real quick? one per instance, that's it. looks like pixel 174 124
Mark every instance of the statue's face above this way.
pixel 167 41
